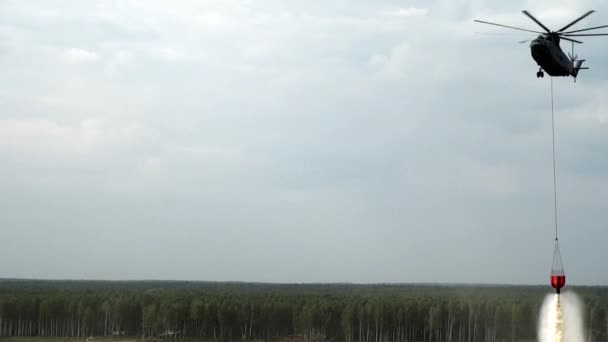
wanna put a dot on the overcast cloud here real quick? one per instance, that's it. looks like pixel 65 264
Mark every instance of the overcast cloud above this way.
pixel 309 141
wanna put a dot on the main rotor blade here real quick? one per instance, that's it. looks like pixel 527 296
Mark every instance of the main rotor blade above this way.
pixel 587 29
pixel 524 41
pixel 576 21
pixel 571 40
pixel 511 27
pixel 536 21
pixel 585 35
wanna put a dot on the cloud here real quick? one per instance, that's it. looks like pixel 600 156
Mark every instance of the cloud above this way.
pixel 151 164
pixel 216 21
pixel 45 135
pixel 394 65
pixel 500 180
pixel 280 123
pixel 404 12
pixel 589 115
pixel 78 56
pixel 28 133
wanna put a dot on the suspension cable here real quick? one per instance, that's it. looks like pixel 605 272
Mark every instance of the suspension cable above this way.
pixel 554 173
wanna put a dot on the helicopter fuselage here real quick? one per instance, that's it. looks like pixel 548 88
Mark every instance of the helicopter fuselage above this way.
pixel 545 48
pixel 549 56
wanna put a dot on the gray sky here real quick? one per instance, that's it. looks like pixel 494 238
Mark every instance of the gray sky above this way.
pixel 296 141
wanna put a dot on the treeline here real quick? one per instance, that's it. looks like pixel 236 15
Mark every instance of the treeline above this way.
pixel 243 311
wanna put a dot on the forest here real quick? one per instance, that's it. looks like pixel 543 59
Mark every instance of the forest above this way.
pixel 221 311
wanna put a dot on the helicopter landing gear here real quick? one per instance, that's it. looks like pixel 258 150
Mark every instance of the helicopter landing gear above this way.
pixel 540 74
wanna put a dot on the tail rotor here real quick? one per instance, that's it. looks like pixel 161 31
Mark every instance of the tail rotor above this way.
pixel 577 63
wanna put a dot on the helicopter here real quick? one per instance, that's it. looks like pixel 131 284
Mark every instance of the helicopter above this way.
pixel 546 51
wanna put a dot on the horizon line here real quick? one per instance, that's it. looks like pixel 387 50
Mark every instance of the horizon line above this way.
pixel 2 279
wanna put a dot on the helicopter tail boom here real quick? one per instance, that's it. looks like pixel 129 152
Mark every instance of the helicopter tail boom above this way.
pixel 577 67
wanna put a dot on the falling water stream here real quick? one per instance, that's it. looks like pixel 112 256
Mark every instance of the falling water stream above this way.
pixel 559 322
pixel 561 319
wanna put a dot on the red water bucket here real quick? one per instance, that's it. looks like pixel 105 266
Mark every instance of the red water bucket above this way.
pixel 558 277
